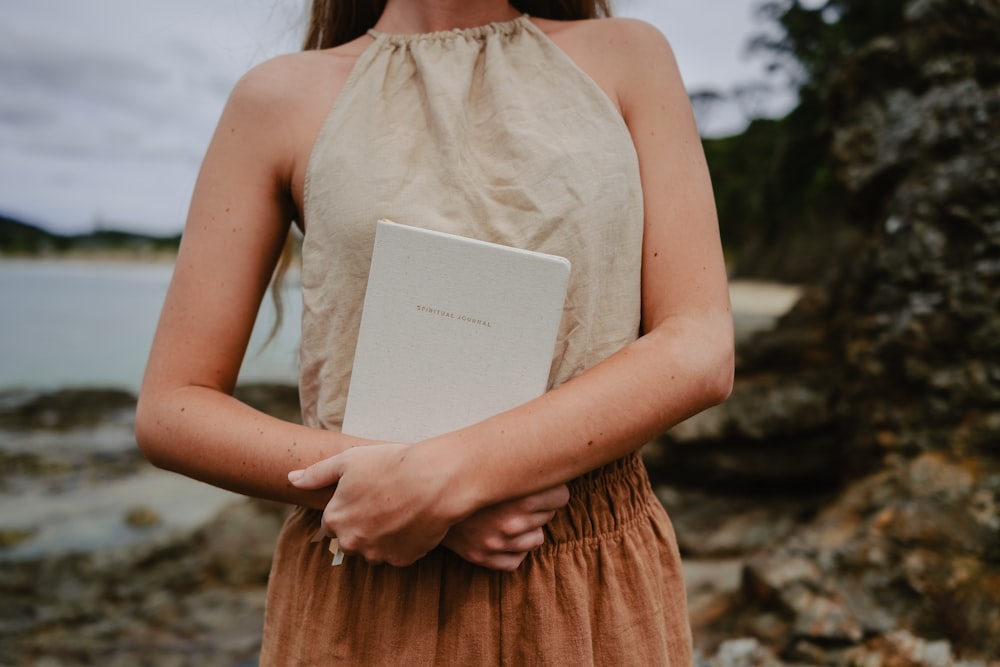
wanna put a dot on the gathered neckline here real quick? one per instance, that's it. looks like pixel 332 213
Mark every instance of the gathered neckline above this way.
pixel 507 27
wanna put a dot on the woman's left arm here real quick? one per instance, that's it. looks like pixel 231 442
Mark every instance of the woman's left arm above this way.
pixel 395 503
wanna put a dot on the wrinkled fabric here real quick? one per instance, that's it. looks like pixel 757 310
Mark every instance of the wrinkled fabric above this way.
pixel 493 133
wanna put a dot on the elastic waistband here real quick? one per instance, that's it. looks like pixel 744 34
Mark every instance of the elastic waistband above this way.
pixel 602 503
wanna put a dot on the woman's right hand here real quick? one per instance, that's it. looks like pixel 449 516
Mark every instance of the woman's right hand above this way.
pixel 501 536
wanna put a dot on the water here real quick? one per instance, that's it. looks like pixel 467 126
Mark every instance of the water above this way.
pixel 86 324
pixel 90 324
pixel 92 517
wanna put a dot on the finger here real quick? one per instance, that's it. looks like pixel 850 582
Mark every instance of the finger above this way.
pixel 522 540
pixel 531 523
pixel 319 475
pixel 505 562
pixel 516 524
pixel 549 499
pixel 526 541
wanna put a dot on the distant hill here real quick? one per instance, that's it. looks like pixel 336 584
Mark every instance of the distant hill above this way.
pixel 21 239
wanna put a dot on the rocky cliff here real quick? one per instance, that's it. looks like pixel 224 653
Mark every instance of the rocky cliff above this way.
pixel 864 433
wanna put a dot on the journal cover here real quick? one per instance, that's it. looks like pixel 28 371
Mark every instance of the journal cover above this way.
pixel 454 330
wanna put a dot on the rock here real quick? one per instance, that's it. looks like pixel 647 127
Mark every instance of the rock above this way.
pixel 79 408
pixel 772 432
pixel 762 407
pixel 142 517
pixel 916 308
pixel 822 619
pixel 747 652
pixel 902 549
pixel 901 649
pixel 891 372
pixel 712 592
pixel 14 536
pixel 190 599
pixel 724 525
pixel 65 409
pixel 238 544
pixel 777 432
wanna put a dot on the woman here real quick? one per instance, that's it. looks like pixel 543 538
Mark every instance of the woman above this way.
pixel 529 538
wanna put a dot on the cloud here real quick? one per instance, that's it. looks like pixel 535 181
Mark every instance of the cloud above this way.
pixel 710 42
pixel 108 105
pixel 69 97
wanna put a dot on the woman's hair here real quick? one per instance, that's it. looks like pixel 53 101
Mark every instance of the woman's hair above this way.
pixel 334 22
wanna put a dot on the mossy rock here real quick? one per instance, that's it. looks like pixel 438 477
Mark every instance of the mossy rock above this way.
pixel 11 537
pixel 143 517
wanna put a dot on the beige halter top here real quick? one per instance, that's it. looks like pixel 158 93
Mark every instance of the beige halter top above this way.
pixel 490 132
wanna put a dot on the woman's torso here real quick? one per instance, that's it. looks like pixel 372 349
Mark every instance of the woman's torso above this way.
pixel 520 141
pixel 494 133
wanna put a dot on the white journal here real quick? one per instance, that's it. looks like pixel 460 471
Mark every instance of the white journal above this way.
pixel 454 330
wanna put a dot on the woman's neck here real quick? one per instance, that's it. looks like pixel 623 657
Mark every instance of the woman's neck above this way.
pixel 419 16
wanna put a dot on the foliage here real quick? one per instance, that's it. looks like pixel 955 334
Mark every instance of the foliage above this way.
pixel 21 239
pixel 768 177
pixel 810 41
pixel 775 181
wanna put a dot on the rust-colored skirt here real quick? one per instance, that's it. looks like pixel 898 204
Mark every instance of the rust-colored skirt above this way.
pixel 605 589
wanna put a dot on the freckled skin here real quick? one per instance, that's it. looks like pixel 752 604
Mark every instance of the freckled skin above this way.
pixel 256 175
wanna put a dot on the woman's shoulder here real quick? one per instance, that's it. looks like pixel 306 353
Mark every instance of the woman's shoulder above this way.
pixel 624 56
pixel 617 37
pixel 294 78
pixel 282 102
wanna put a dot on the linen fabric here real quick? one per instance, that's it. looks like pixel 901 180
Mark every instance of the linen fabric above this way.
pixel 493 133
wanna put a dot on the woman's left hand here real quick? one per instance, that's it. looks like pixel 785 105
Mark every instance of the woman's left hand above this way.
pixel 388 505
pixel 501 536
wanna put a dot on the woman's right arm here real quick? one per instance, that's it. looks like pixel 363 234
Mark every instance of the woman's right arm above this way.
pixel 187 420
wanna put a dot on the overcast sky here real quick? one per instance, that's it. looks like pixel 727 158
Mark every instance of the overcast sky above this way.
pixel 106 106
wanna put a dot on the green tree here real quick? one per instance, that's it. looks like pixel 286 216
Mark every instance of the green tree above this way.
pixel 775 185
pixel 810 41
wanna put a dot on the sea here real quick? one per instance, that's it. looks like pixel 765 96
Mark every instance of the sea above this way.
pixel 87 323
pixel 67 324
pixel 90 324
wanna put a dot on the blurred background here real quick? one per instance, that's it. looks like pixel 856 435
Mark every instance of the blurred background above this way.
pixel 842 508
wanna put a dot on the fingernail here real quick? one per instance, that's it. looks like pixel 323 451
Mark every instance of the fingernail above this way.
pixel 295 475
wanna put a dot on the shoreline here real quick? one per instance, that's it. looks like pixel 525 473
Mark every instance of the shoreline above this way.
pixel 95 256
pixel 64 439
pixel 72 479
pixel 73 362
